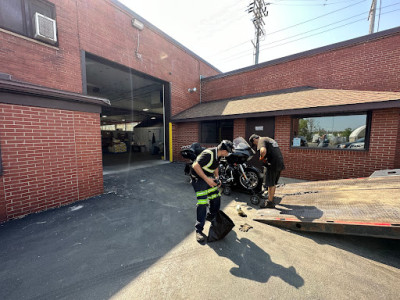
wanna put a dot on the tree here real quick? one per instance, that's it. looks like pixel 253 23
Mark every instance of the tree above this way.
pixel 346 133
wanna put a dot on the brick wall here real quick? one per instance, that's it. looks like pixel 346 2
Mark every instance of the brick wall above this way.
pixel 50 157
pixel 37 63
pixel 239 128
pixel 52 163
pixel 184 134
pixel 103 29
pixel 372 65
pixel 397 156
pixel 317 164
pixel 106 31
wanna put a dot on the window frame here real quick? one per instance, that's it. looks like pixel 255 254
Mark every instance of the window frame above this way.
pixel 27 12
pixel 367 130
pixel 217 132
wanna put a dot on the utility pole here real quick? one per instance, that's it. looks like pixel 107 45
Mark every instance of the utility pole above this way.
pixel 259 10
pixel 371 17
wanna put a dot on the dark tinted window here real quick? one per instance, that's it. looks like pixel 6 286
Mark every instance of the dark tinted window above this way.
pixel 17 15
pixel 212 132
pixel 12 15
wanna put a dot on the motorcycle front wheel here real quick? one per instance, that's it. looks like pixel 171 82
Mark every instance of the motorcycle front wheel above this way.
pixel 253 183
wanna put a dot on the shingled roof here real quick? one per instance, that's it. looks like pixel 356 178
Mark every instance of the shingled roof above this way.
pixel 302 100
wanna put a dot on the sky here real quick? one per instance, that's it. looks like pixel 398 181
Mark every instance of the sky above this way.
pixel 221 31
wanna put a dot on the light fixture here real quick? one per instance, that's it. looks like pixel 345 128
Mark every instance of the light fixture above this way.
pixel 153 118
pixel 104 116
pixel 145 109
pixel 192 90
pixel 137 24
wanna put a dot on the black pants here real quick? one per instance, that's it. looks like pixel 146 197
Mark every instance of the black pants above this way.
pixel 206 196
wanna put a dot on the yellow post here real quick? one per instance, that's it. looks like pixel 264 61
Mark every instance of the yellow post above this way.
pixel 170 143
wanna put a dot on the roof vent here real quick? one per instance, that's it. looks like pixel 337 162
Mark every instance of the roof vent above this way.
pixel 45 28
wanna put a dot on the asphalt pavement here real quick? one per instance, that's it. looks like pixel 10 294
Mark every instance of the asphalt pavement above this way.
pixel 137 241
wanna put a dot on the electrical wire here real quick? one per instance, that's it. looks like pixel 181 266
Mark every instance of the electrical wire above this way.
pixel 320 4
pixel 239 56
pixel 324 25
pixel 301 23
pixel 287 38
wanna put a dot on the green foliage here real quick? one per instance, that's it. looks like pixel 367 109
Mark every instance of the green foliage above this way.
pixel 347 133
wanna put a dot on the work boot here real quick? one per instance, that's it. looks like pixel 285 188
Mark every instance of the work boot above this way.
pixel 200 238
pixel 267 204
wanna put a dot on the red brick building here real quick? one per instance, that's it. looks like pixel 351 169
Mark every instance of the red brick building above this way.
pixel 340 82
pixel 99 64
pixel 51 92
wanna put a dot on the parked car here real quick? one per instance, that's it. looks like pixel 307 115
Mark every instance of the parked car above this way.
pixel 358 144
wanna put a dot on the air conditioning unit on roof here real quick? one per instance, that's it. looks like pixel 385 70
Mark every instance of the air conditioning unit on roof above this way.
pixel 45 28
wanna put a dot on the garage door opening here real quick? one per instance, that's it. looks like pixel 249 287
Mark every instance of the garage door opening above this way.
pixel 133 127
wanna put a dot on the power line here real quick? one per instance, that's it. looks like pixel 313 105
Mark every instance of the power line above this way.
pixel 354 16
pixel 243 52
pixel 320 4
pixel 301 23
pixel 316 18
pixel 327 30
pixel 239 55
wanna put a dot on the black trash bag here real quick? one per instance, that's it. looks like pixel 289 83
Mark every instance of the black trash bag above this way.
pixel 220 227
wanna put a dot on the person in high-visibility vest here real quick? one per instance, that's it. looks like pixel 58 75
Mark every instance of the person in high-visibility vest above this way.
pixel 205 183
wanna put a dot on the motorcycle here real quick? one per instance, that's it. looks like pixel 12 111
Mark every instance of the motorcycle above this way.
pixel 234 171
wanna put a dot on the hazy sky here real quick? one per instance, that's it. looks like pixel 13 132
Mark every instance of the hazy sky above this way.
pixel 221 31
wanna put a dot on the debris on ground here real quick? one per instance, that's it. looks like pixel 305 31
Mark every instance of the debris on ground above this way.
pixel 240 211
pixel 245 227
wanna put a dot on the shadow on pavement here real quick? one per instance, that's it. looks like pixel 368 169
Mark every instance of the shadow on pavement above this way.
pixel 92 248
pixel 302 212
pixel 253 262
pixel 385 251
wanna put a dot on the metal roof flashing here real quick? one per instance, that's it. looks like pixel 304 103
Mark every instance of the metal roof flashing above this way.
pixel 18 87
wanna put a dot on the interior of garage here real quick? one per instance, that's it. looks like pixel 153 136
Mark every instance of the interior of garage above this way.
pixel 133 127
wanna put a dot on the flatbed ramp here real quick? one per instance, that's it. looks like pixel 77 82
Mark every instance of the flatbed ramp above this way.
pixel 365 207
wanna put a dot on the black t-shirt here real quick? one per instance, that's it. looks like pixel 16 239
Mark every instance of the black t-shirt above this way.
pixel 208 161
pixel 274 155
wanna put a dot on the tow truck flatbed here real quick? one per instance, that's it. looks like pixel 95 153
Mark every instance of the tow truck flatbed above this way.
pixel 365 207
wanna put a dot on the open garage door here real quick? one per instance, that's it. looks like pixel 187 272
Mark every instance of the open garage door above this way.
pixel 133 127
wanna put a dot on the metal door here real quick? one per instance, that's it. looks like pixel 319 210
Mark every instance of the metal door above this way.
pixel 262 127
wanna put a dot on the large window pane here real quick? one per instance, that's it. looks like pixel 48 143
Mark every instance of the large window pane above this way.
pixel 344 132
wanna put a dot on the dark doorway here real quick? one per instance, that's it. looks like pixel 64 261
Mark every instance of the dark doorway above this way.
pixel 262 127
